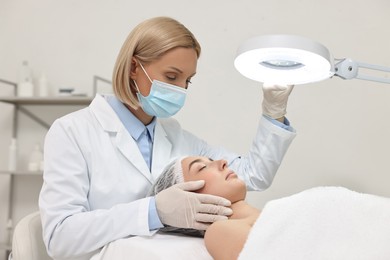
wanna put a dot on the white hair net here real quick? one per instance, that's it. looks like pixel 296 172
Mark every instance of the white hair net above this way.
pixel 171 175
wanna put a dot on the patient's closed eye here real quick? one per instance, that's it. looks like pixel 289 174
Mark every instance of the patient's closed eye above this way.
pixel 199 166
pixel 202 167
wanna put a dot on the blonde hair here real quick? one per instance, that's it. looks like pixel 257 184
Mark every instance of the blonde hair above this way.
pixel 148 41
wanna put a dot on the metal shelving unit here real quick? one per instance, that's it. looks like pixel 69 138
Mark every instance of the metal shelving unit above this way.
pixel 20 104
pixel 65 100
pixel 21 173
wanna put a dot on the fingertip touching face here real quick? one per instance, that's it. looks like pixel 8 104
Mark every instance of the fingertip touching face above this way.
pixel 219 179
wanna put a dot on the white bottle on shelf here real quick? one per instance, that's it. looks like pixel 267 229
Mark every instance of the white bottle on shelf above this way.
pixel 25 86
pixel 36 159
pixel 12 155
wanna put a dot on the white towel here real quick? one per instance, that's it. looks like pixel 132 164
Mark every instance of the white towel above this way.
pixel 322 223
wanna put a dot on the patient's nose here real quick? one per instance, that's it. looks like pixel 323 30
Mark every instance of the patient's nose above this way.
pixel 222 164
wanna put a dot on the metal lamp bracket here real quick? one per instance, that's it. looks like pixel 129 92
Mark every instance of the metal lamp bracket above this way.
pixel 349 69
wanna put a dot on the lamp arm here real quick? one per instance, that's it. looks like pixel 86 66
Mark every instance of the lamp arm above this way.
pixel 349 69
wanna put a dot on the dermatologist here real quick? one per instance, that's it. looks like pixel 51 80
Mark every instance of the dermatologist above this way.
pixel 101 161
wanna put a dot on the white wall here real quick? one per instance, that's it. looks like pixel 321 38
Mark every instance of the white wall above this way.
pixel 342 125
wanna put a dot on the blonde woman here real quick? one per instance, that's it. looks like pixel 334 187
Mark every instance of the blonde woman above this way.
pixel 101 161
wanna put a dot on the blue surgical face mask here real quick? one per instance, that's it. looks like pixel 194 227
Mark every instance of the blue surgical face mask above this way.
pixel 164 100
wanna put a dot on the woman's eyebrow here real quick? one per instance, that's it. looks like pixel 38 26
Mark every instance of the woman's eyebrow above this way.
pixel 180 71
pixel 176 69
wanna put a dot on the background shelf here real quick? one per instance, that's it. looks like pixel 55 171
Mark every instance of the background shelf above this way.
pixel 68 100
pixel 22 173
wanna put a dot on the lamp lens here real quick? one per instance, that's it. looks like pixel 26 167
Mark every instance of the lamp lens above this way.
pixel 282 64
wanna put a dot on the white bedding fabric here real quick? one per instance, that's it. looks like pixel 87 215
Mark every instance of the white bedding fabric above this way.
pixel 160 246
pixel 322 223
pixel 331 223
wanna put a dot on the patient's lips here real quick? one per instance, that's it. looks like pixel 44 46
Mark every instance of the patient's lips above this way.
pixel 230 175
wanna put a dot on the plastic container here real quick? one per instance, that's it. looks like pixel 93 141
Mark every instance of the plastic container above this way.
pixel 12 155
pixel 36 159
pixel 25 86
pixel 25 89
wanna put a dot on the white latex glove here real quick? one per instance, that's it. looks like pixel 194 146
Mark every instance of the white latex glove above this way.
pixel 178 207
pixel 275 100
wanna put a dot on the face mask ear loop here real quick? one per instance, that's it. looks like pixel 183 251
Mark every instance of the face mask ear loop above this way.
pixel 136 86
pixel 142 67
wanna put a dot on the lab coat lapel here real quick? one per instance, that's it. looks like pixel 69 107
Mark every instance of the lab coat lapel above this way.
pixel 124 142
pixel 162 148
pixel 128 147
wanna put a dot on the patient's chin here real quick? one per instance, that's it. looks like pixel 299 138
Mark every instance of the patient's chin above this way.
pixel 235 195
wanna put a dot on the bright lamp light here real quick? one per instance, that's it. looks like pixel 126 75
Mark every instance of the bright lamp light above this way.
pixel 293 60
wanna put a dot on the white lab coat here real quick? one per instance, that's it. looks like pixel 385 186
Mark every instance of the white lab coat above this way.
pixel 96 180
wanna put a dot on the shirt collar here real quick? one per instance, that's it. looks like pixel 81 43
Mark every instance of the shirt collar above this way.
pixel 133 125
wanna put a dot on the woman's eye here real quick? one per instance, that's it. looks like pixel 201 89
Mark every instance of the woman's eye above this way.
pixel 202 167
pixel 171 78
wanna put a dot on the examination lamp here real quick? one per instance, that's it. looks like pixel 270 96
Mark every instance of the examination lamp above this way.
pixel 294 60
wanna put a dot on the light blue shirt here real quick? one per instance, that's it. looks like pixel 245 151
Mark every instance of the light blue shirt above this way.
pixel 284 125
pixel 135 128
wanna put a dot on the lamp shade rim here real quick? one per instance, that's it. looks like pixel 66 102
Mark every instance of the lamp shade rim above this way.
pixel 284 59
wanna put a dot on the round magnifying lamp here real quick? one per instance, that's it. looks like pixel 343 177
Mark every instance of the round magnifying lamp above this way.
pixel 284 59
pixel 294 60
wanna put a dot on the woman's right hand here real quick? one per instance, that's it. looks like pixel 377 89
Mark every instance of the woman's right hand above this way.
pixel 275 99
pixel 179 206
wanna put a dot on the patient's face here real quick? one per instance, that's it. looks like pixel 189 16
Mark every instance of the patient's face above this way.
pixel 219 179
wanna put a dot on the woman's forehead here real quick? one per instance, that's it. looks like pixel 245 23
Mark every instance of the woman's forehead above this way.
pixel 191 159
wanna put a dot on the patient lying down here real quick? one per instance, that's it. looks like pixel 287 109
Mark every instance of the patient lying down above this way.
pixel 220 181
pixel 319 223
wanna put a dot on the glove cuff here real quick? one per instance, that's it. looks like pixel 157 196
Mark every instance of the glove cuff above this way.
pixel 274 113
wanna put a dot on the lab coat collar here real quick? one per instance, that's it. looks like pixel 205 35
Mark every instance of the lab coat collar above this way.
pixel 162 148
pixel 135 127
pixel 105 115
pixel 110 122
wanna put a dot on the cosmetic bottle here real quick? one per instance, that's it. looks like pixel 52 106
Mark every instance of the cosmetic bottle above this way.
pixel 25 86
pixel 36 159
pixel 12 156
